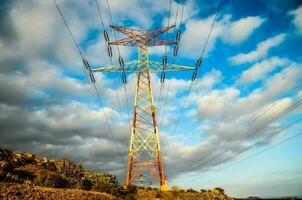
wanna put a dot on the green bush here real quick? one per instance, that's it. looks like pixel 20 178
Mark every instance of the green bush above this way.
pixel 132 189
pixel 56 180
pixel 175 189
pixel 86 184
pixel 50 179
pixel 218 190
pixel 72 172
pixel 191 190
pixel 103 182
pixel 203 191
pixel 5 154
pixel 127 193
pixel 23 175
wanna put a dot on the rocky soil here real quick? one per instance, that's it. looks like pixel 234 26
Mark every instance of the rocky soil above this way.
pixel 181 195
pixel 21 191
pixel 27 176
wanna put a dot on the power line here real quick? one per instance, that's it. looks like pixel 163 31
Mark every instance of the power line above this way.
pixel 92 78
pixel 170 5
pixel 266 149
pixel 100 15
pixel 212 26
pixel 70 33
pixel 250 122
pixel 286 111
pixel 162 110
pixel 196 70
pixel 111 23
pixel 110 58
pixel 263 150
pixel 125 88
pixel 163 71
pixel 110 19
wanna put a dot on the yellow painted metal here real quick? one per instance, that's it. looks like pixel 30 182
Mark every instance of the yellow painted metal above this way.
pixel 153 67
pixel 144 150
pixel 144 156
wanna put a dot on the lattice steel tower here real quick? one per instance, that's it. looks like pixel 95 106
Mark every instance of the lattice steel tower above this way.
pixel 144 157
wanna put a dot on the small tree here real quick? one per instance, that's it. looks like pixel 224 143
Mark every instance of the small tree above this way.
pixel 203 191
pixel 191 190
pixel 218 190
pixel 103 182
pixel 175 188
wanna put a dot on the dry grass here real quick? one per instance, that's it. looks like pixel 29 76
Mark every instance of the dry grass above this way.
pixel 21 191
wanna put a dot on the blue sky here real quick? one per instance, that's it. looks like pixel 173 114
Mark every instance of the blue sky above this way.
pixel 252 62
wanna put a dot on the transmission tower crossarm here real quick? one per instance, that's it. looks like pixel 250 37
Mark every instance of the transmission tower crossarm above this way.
pixel 125 42
pixel 129 67
pixel 130 32
pixel 142 38
pixel 135 41
pixel 161 30
pixel 153 67
pixel 158 67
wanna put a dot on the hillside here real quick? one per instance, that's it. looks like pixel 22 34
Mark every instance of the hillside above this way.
pixel 22 191
pixel 27 176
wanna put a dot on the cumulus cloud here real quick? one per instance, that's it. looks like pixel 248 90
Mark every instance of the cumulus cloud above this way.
pixel 220 121
pixel 259 71
pixel 240 30
pixel 46 105
pixel 297 19
pixel 230 31
pixel 195 34
pixel 260 52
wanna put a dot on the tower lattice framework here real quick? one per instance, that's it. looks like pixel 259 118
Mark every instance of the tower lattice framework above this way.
pixel 144 156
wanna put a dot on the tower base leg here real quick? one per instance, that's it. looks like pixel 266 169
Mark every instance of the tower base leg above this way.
pixel 164 188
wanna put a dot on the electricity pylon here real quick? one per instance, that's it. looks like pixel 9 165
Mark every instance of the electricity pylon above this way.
pixel 144 157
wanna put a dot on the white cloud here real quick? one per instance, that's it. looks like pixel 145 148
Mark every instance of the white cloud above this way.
pixel 195 34
pixel 237 31
pixel 300 94
pixel 223 112
pixel 232 32
pixel 190 10
pixel 259 71
pixel 76 128
pixel 260 52
pixel 297 20
pixel 217 103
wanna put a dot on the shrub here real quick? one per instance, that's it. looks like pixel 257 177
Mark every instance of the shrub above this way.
pixel 132 189
pixel 50 179
pixel 56 180
pixel 149 188
pixel 218 190
pixel 24 159
pixel 69 168
pixel 103 182
pixel 40 178
pixel 5 154
pixel 23 175
pixel 86 184
pixel 159 195
pixel 127 193
pixel 191 190
pixel 175 189
pixel 203 191
pixel 71 171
